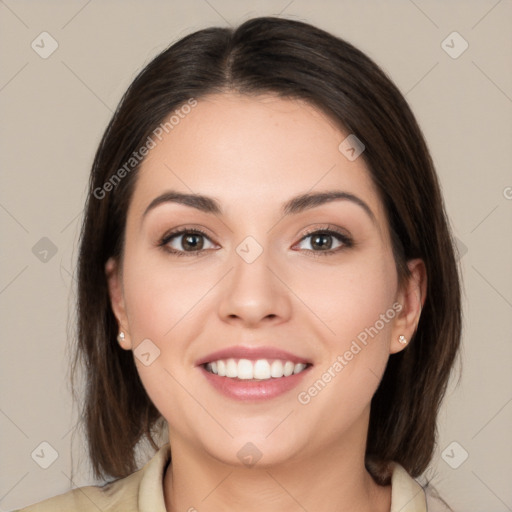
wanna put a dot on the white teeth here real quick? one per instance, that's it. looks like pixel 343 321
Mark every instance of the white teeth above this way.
pixel 299 367
pixel 262 369
pixel 245 370
pixel 231 368
pixel 276 369
pixel 288 368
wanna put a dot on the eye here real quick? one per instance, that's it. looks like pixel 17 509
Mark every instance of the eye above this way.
pixel 191 242
pixel 184 241
pixel 323 241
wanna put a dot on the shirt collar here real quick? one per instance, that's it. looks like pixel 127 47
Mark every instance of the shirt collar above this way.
pixel 407 495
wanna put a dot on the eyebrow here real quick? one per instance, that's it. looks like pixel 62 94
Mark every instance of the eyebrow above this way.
pixel 293 206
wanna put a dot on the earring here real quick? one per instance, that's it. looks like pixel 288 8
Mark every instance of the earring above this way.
pixel 402 339
pixel 120 337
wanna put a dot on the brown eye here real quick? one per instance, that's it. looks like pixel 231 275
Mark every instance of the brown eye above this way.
pixel 326 241
pixel 192 242
pixel 185 241
pixel 322 241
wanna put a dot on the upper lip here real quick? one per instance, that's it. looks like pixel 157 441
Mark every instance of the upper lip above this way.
pixel 253 353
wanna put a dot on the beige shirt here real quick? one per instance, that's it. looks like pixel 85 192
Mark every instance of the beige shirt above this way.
pixel 142 491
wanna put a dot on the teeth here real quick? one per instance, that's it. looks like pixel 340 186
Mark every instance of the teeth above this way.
pixel 261 369
pixel 231 368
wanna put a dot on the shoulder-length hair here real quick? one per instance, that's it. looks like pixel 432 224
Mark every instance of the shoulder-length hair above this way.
pixel 293 60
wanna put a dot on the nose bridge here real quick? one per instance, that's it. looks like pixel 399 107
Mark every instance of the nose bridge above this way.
pixel 253 292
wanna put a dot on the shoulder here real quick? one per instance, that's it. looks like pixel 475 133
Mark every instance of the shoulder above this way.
pixel 409 494
pixel 120 495
pixel 142 490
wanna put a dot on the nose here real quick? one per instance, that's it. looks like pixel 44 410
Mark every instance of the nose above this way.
pixel 254 293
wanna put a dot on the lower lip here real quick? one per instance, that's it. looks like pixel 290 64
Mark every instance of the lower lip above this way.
pixel 253 390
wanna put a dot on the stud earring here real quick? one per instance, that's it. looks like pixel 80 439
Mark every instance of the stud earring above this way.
pixel 120 337
pixel 402 339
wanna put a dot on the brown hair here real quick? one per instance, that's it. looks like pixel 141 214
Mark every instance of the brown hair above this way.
pixel 292 60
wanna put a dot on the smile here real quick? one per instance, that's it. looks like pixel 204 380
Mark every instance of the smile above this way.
pixel 261 369
pixel 253 381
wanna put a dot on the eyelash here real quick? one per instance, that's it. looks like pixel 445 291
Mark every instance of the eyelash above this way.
pixel 343 238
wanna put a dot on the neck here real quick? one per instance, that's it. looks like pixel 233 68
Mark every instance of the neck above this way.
pixel 334 479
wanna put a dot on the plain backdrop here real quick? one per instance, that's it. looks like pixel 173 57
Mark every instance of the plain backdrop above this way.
pixel 54 108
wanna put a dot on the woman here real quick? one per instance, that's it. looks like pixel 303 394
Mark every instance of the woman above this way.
pixel 299 350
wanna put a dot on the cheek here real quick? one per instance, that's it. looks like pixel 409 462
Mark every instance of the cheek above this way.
pixel 351 297
pixel 360 312
pixel 160 294
pixel 162 303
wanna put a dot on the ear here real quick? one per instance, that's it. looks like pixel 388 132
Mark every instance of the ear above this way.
pixel 115 290
pixel 411 298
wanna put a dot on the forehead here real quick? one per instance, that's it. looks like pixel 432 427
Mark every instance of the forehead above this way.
pixel 252 151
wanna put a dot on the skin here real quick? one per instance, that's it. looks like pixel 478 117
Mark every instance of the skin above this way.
pixel 252 154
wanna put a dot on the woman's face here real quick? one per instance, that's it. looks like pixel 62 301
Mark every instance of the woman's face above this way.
pixel 258 279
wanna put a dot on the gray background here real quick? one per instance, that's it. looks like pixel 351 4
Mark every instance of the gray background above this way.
pixel 54 111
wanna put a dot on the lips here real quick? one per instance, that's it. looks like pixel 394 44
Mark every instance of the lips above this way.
pixel 253 391
pixel 252 353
